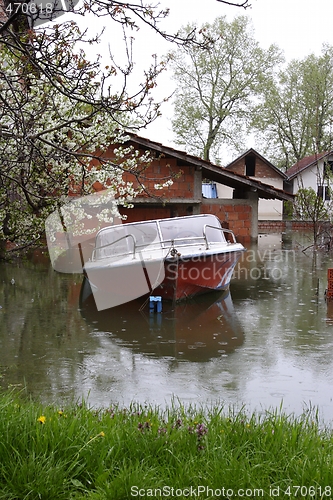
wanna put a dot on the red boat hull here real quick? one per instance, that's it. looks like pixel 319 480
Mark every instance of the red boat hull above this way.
pixel 185 278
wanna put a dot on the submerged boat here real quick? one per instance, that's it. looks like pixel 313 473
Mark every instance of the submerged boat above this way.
pixel 174 258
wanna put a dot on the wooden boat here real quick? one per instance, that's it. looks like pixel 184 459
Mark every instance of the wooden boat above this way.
pixel 175 259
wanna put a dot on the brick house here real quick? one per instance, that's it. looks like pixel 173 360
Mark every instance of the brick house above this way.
pixel 184 196
pixel 251 164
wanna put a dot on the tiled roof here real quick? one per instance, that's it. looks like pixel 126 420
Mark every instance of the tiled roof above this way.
pixel 215 172
pixel 304 163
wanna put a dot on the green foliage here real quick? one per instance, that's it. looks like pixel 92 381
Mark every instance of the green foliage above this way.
pixel 216 84
pixel 294 118
pixel 288 209
pixel 308 206
pixel 79 452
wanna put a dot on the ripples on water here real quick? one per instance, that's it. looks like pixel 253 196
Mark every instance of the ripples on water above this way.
pixel 269 340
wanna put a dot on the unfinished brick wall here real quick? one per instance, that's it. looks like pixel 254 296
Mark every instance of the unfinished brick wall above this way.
pixel 271 226
pixel 279 226
pixel 262 169
pixel 161 169
pixel 235 216
pixel 139 213
pixel 184 197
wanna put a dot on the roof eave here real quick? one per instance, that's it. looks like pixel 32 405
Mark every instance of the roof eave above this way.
pixel 216 173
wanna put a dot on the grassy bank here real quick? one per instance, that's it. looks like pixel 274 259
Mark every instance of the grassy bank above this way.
pixel 144 452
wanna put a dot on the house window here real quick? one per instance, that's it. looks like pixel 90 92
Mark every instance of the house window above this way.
pixel 323 192
pixel 250 165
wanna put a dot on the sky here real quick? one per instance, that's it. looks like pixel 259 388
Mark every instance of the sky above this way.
pixel 298 27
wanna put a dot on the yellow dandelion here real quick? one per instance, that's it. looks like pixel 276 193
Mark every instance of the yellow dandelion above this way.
pixel 102 434
pixel 41 419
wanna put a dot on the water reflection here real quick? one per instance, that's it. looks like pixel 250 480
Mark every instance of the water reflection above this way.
pixel 271 342
pixel 42 336
pixel 198 330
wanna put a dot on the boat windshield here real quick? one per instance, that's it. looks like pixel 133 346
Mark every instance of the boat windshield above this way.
pixel 122 240
pixel 192 228
pixel 125 239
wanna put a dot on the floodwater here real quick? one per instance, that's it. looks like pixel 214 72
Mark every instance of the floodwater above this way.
pixel 267 343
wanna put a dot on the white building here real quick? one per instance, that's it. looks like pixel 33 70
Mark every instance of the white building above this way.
pixel 314 172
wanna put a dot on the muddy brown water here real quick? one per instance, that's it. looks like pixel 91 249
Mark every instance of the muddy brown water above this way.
pixel 266 343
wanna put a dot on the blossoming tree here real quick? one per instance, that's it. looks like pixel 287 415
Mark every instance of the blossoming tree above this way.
pixel 59 114
pixel 61 109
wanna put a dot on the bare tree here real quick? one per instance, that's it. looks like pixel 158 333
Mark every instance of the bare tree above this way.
pixel 245 4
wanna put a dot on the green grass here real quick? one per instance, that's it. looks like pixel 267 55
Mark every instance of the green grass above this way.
pixel 143 452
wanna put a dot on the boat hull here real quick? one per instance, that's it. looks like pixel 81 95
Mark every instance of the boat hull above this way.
pixel 183 279
pixel 186 278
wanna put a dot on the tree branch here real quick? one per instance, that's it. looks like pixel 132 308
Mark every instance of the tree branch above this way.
pixel 245 4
